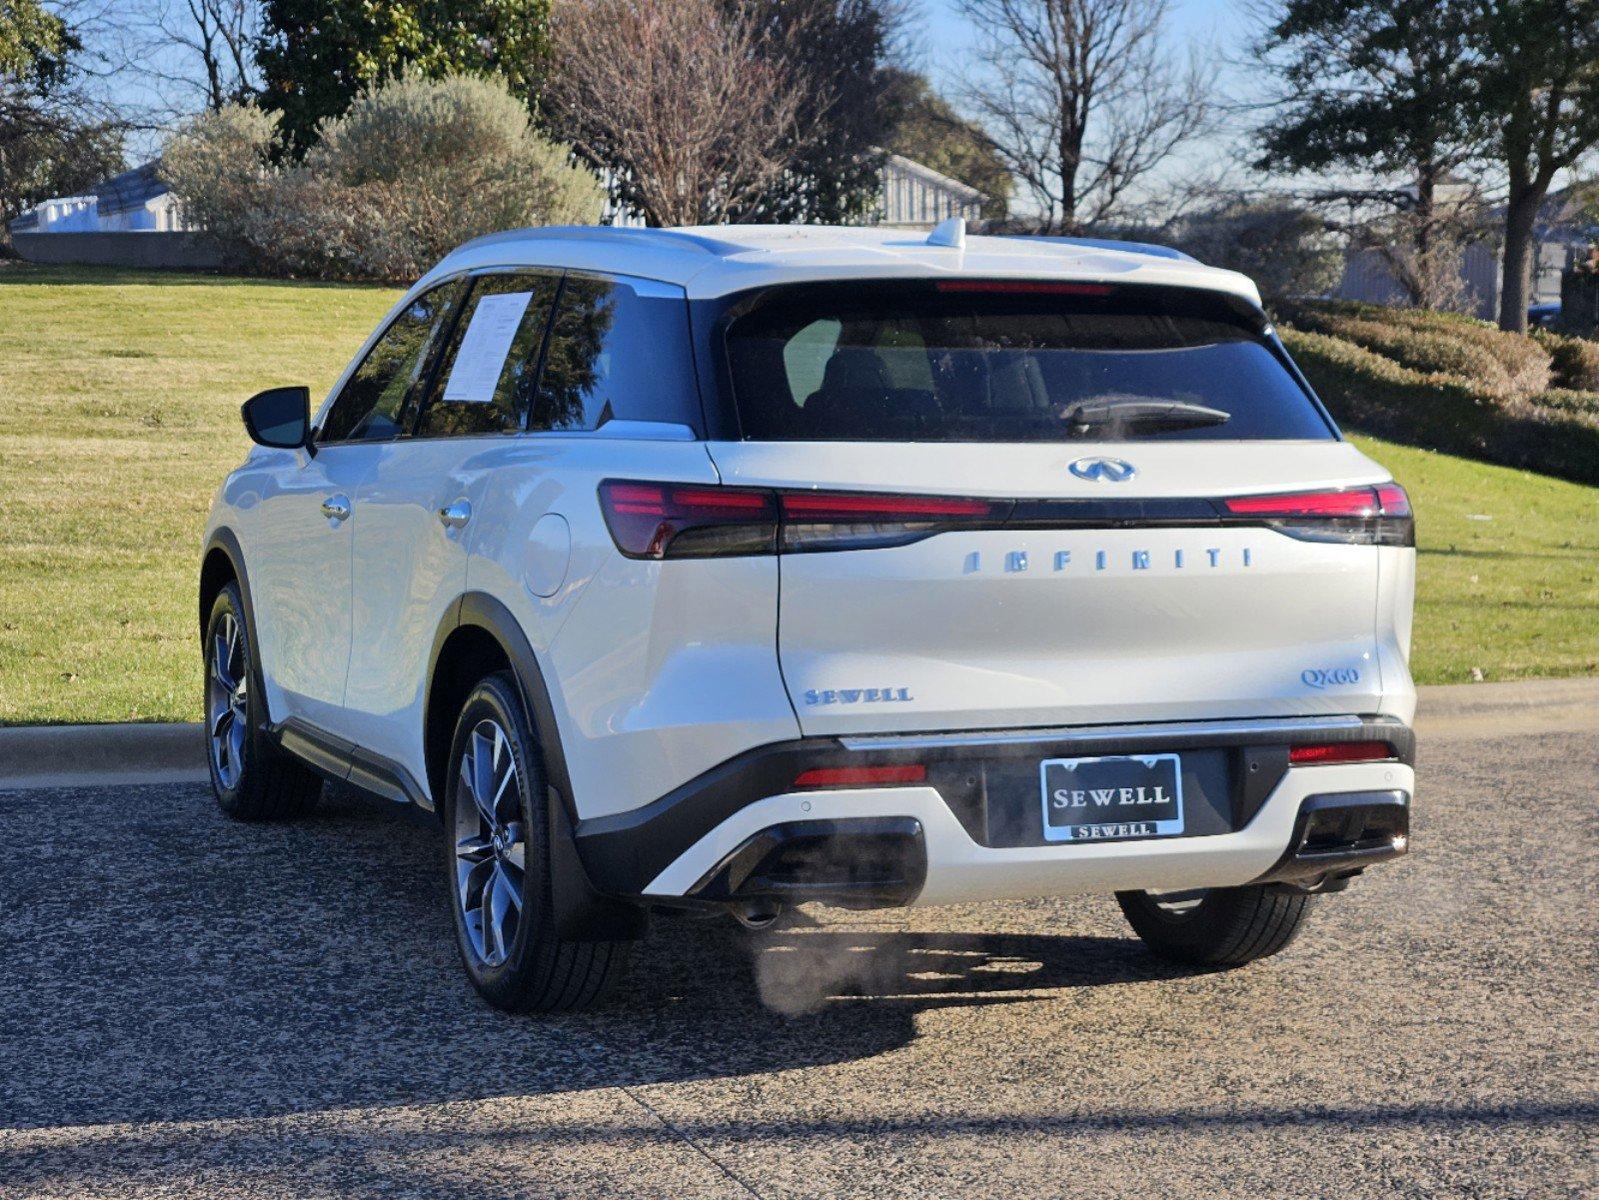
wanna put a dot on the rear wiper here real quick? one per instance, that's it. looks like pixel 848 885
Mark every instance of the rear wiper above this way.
pixel 1133 413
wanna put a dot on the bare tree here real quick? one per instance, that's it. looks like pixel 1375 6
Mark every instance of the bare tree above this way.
pixel 1418 235
pixel 686 105
pixel 1081 99
pixel 160 61
pixel 215 39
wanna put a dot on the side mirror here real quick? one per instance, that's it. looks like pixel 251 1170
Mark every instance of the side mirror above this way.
pixel 279 417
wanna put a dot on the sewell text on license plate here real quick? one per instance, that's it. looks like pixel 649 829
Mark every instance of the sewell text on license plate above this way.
pixel 1112 798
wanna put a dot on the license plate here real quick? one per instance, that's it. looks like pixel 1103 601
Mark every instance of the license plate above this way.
pixel 1111 799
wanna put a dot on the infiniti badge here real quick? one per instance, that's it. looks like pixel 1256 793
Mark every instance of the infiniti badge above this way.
pixel 1113 470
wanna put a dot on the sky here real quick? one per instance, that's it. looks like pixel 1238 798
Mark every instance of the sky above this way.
pixel 1190 20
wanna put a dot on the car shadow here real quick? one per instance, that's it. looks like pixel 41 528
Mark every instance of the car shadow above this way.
pixel 166 964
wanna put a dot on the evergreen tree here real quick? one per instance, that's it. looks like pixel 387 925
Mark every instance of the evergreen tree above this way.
pixel 1383 88
pixel 835 50
pixel 316 56
pixel 1538 90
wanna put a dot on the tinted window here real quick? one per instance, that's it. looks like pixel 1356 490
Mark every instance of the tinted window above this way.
pixel 379 400
pixel 617 352
pixel 1008 363
pixel 488 377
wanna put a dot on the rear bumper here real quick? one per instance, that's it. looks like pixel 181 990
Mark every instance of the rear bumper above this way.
pixel 744 830
pixel 1339 834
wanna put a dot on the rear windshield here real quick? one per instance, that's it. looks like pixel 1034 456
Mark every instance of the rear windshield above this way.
pixel 972 361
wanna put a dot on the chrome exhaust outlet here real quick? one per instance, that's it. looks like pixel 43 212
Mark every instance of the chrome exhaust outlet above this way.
pixel 757 913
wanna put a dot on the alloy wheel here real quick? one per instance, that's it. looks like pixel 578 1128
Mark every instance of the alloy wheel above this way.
pixel 227 700
pixel 490 844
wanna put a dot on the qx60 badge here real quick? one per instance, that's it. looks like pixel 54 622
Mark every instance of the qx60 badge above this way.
pixel 1109 470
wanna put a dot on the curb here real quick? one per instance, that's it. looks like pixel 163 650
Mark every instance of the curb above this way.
pixel 1474 699
pixel 1488 710
pixel 48 756
pixel 63 756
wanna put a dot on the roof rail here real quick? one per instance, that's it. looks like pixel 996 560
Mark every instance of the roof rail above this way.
pixel 609 233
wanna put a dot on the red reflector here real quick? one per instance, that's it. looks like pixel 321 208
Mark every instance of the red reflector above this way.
pixel 1356 502
pixel 1025 287
pixel 1340 752
pixel 824 506
pixel 858 776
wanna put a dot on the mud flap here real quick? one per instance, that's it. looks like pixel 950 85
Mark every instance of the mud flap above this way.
pixel 582 914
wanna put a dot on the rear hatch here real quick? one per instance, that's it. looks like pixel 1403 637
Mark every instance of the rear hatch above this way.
pixel 1011 505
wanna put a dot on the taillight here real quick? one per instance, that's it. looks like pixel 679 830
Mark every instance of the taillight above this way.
pixel 674 520
pixel 679 520
pixel 853 521
pixel 1339 752
pixel 671 520
pixel 822 777
pixel 1377 516
pixel 1393 501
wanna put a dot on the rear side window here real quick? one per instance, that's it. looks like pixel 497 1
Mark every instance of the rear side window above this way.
pixel 974 361
pixel 617 351
pixel 487 381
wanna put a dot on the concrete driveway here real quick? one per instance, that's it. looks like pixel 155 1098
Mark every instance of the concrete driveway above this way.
pixel 198 1008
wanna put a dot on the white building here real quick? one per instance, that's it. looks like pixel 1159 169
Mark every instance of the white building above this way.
pixel 64 214
pixel 910 195
pixel 917 196
pixel 1563 236
pixel 135 200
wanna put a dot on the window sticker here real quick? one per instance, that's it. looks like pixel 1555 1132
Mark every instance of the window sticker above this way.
pixel 481 358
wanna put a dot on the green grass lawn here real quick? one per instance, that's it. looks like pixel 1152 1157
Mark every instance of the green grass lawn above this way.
pixel 119 395
pixel 119 414
pixel 1507 565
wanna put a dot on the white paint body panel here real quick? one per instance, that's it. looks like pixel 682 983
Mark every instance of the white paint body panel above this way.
pixel 1084 642
pixel 658 671
pixel 1057 627
pixel 717 260
pixel 300 573
pixel 1041 470
pixel 408 570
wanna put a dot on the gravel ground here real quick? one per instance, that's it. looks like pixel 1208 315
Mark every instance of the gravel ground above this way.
pixel 190 1007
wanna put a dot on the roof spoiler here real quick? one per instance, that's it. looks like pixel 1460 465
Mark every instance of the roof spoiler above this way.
pixel 1149 248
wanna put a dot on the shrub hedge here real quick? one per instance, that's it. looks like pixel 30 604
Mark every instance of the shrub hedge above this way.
pixel 1553 432
pixel 1569 400
pixel 1473 351
pixel 414 167
pixel 1576 360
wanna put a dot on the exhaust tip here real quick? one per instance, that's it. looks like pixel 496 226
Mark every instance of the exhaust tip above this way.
pixel 757 913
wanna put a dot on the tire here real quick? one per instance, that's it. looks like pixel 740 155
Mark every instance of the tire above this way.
pixel 253 779
pixel 497 866
pixel 1216 927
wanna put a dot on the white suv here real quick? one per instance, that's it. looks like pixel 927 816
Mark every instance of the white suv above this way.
pixel 725 569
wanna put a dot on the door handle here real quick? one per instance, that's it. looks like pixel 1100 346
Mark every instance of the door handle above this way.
pixel 454 516
pixel 336 508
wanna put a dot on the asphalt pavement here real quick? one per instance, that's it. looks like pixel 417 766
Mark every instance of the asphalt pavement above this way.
pixel 192 1007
